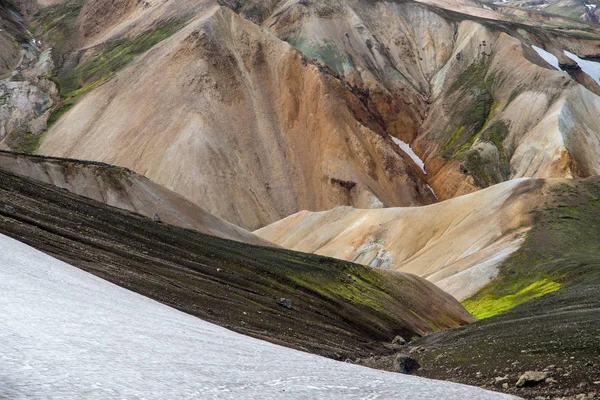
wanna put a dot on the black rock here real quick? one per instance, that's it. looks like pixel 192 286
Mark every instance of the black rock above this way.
pixel 287 303
pixel 405 364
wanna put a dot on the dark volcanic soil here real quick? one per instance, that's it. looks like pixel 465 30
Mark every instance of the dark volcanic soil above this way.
pixel 338 309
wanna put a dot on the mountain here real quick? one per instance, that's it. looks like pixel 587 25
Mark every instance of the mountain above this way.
pixel 137 347
pixel 339 309
pixel 261 130
pixel 457 244
pixel 255 132
pixel 456 140
pixel 122 188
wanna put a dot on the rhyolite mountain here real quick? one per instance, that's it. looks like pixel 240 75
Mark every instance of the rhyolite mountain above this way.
pixel 458 141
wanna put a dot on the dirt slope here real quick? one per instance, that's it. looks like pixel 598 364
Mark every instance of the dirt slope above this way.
pixel 255 131
pixel 457 244
pixel 455 85
pixel 122 188
pixel 339 309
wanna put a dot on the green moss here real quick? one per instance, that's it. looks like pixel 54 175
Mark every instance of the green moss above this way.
pixel 474 82
pixel 25 142
pixel 356 287
pixel 562 250
pixel 96 70
pixel 111 57
pixel 56 24
pixel 489 305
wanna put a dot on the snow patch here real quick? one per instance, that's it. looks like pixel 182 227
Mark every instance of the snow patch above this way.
pixel 408 150
pixel 432 192
pixel 591 68
pixel 548 57
pixel 67 334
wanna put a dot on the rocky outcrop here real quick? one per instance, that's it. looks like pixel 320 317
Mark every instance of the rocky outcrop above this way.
pixel 26 95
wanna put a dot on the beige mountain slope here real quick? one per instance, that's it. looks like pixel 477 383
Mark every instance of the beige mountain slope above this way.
pixel 124 189
pixel 456 244
pixel 233 119
pixel 242 124
pixel 457 85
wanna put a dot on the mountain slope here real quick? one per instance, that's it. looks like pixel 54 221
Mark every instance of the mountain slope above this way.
pixel 136 347
pixel 339 309
pixel 122 188
pixel 454 87
pixel 257 131
pixel 456 244
pixel 241 124
pixel 542 311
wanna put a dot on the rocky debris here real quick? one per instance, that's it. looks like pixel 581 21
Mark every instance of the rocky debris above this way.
pixel 500 380
pixel 156 218
pixel 405 364
pixel 9 209
pixel 26 98
pixel 399 340
pixel 283 302
pixel 531 378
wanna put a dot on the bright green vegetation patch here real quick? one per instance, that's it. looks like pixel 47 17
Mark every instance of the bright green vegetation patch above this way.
pixel 487 306
pixel 562 251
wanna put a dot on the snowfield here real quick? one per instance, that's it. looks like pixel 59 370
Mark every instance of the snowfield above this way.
pixel 67 334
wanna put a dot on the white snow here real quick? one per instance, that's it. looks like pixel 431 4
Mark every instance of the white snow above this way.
pixel 432 192
pixel 408 150
pixel 69 335
pixel 548 57
pixel 591 68
pixel 591 6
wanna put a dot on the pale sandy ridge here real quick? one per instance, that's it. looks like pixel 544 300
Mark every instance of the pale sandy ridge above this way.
pixel 457 244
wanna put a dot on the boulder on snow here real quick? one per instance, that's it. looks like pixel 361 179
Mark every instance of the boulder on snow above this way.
pixel 531 378
pixel 405 364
